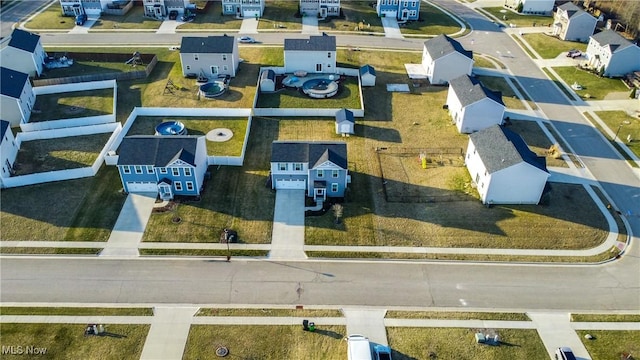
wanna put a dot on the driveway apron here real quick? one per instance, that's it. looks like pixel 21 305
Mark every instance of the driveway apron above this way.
pixel 310 25
pixel 367 322
pixel 168 333
pixel 555 331
pixel 249 26
pixel 391 28
pixel 129 228
pixel 287 240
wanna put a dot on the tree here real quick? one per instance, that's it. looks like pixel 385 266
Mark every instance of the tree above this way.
pixel 520 7
pixel 338 211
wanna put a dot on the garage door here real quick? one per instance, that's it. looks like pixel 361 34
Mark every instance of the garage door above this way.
pixel 141 186
pixel 390 14
pixel 291 184
pixel 251 13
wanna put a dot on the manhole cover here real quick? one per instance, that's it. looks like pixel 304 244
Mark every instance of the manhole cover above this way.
pixel 222 351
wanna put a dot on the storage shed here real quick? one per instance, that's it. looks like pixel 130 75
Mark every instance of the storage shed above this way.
pixel 268 81
pixel 368 75
pixel 345 123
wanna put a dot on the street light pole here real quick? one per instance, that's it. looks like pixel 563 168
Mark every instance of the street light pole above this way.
pixel 620 127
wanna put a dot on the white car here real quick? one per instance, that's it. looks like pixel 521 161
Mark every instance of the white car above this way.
pixel 246 40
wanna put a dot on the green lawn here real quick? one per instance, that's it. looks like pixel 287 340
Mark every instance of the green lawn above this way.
pixel 610 344
pixel 212 19
pixel 78 311
pixel 593 86
pixel 537 140
pixel 90 67
pixel 498 83
pixel 358 16
pixel 134 19
pixel 51 18
pixel 605 318
pixel 624 125
pixel 549 47
pixel 269 312
pixel 348 96
pixel 457 343
pixel 280 15
pixel 519 20
pixel 281 342
pixel 67 341
pixel 454 315
pixel 432 22
pixel 71 105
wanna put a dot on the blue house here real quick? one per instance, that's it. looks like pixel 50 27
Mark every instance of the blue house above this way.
pixel 167 165
pixel 399 9
pixel 319 168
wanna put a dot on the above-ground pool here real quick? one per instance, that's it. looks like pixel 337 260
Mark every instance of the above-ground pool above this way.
pixel 171 128
pixel 213 89
pixel 320 88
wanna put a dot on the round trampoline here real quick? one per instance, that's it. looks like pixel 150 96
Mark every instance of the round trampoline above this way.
pixel 171 128
pixel 320 88
pixel 212 89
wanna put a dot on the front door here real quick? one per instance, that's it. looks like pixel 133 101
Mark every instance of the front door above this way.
pixel 405 14
pixel 323 12
pixel 320 194
pixel 165 191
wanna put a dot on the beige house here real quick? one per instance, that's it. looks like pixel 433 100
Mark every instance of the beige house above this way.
pixel 573 24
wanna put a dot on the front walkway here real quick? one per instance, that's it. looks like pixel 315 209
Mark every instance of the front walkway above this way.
pixel 129 228
pixel 391 28
pixel 249 26
pixel 287 241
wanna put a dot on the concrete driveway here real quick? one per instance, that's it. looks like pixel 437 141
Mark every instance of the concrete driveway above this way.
pixel 391 28
pixel 129 228
pixel 287 241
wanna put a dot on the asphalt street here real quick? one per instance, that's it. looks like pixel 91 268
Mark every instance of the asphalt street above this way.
pixel 9 15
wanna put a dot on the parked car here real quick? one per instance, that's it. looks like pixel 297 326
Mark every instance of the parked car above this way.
pixel 358 348
pixel 188 16
pixel 382 352
pixel 81 19
pixel 246 40
pixel 574 53
pixel 173 14
pixel 564 353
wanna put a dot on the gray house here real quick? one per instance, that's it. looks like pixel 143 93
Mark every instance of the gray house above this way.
pixel 23 52
pixel 319 168
pixel 209 56
pixel 573 24
pixel 611 52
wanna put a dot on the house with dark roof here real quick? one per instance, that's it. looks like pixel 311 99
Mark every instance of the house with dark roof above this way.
pixel 611 52
pixel 399 9
pixel 571 23
pixel 168 165
pixel 210 56
pixel 159 9
pixel 8 150
pixel 444 58
pixel 319 8
pixel 16 96
pixel 472 106
pixel 314 55
pixel 243 9
pixel 24 53
pixel 535 7
pixel 345 122
pixel 504 169
pixel 367 75
pixel 319 168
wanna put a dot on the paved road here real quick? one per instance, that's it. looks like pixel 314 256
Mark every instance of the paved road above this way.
pixel 10 15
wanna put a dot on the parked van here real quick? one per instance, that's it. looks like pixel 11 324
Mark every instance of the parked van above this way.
pixel 358 348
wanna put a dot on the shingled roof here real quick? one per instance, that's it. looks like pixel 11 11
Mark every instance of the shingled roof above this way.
pixel 344 115
pixel 442 45
pixel 571 9
pixel 158 151
pixel 24 40
pixel 314 153
pixel 314 43
pixel 12 82
pixel 500 148
pixel 469 90
pixel 4 126
pixel 612 39
pixel 223 44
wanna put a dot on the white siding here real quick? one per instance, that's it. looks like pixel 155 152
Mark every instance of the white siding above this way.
pixel 480 115
pixel 519 184
pixel 308 60
pixel 450 67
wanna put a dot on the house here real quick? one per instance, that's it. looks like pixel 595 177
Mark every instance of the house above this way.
pixel 345 123
pixel 159 9
pixel 503 168
pixel 315 55
pixel 400 9
pixel 368 75
pixel 537 7
pixel 612 53
pixel 210 56
pixel 472 106
pixel 243 8
pixel 8 150
pixel 23 52
pixel 571 23
pixel 167 165
pixel 319 168
pixel 89 7
pixel 320 8
pixel 16 95
pixel 267 81
pixel 443 59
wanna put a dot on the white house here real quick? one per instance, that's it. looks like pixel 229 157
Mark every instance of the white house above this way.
pixel 8 150
pixel 320 8
pixel 16 96
pixel 537 7
pixel 443 59
pixel 345 122
pixel 23 52
pixel 159 9
pixel 503 168
pixel 209 56
pixel 472 106
pixel 617 55
pixel 367 75
pixel 314 55
pixel 573 24
pixel 243 8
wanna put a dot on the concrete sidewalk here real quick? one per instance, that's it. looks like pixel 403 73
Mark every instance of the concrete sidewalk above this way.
pixel 168 333
pixel 555 331
pixel 367 322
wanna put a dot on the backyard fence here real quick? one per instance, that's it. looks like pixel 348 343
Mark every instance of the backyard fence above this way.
pixel 150 59
pixel 118 10
pixel 272 112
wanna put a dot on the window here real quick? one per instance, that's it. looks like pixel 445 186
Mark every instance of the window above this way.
pixel 318 67
pixel 178 185
pixel 224 57
pixel 189 185
pixel 329 54
pixel 149 169
pixel 126 169
pixel 320 173
pixel 282 166
pixel 187 171
pixel 334 187
pixel 477 178
pixel 175 171
pixel 163 170
pixel 413 4
pixel 195 57
pixel 297 166
pixel 188 67
pixel 138 169
pixel 334 173
pixel 225 68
